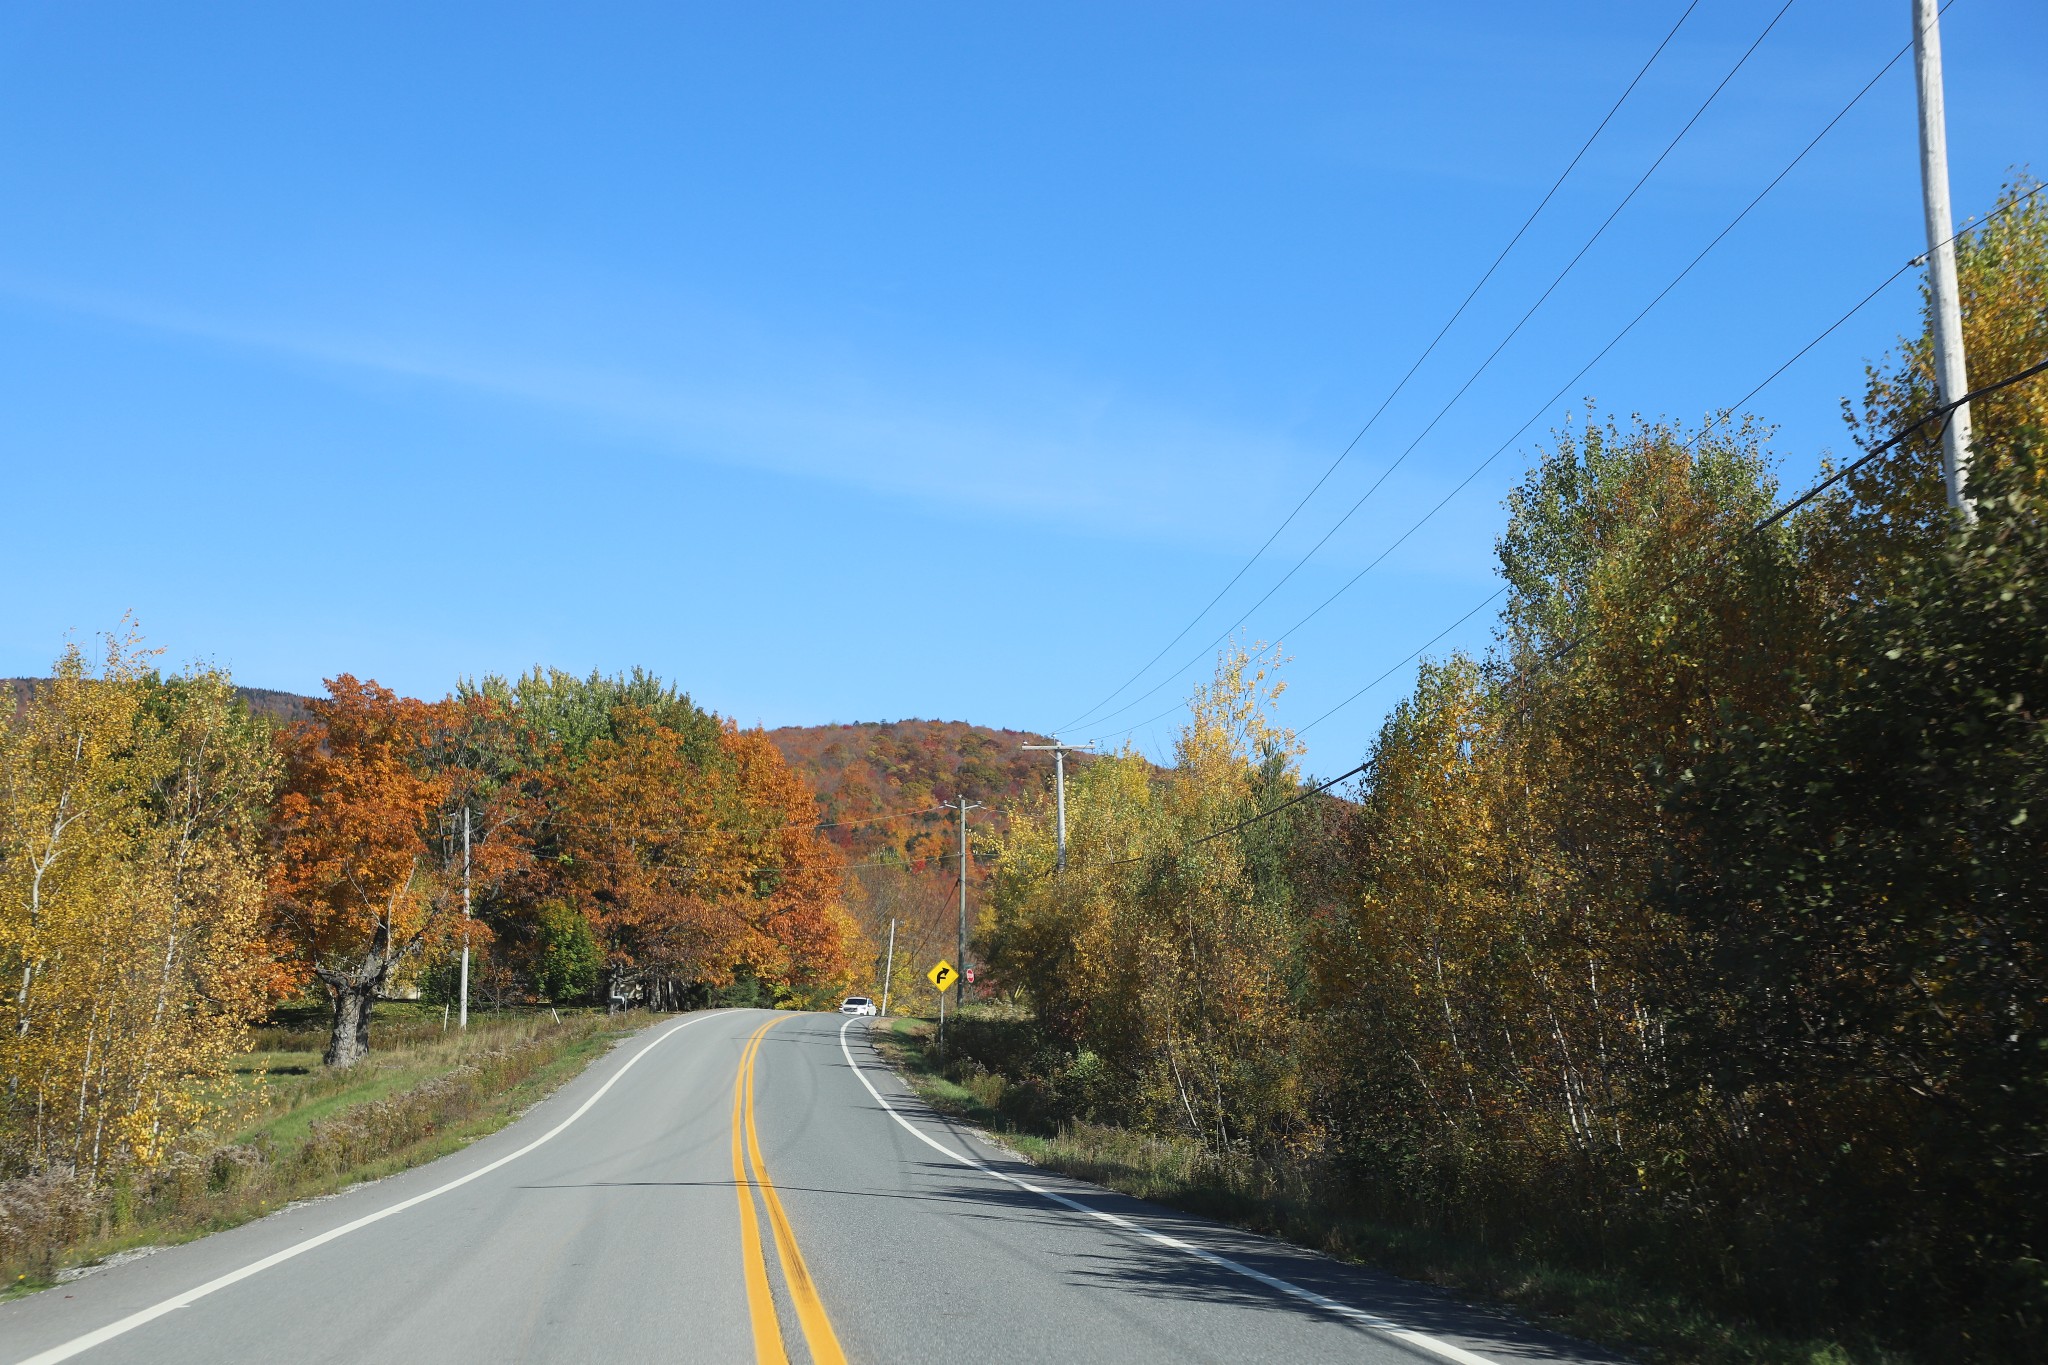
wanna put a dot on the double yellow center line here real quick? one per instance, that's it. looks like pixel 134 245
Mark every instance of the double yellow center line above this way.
pixel 750 1174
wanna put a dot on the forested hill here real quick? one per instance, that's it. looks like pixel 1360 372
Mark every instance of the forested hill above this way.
pixel 882 772
pixel 281 707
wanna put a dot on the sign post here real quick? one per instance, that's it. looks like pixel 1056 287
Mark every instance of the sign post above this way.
pixel 942 976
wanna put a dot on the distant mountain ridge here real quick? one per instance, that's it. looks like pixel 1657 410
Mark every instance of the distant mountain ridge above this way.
pixel 271 704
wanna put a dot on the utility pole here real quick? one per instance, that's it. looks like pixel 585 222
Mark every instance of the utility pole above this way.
pixel 1059 753
pixel 889 972
pixel 465 916
pixel 962 964
pixel 1950 381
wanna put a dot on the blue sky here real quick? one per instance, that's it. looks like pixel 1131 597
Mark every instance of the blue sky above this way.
pixel 860 362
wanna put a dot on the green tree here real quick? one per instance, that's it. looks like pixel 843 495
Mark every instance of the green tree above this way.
pixel 567 956
pixel 565 714
pixel 1869 901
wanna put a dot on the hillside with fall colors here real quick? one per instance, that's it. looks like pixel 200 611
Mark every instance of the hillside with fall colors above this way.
pixel 883 787
pixel 881 784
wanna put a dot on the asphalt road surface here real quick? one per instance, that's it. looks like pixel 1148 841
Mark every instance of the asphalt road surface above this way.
pixel 744 1186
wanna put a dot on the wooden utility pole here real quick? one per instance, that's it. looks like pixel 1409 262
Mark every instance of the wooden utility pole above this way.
pixel 1950 372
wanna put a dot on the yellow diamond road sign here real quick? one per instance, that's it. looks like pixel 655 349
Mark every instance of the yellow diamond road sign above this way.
pixel 943 975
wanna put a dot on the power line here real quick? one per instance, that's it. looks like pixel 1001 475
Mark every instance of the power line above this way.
pixel 1939 413
pixel 899 866
pixel 1561 391
pixel 1427 351
pixel 1514 331
pixel 1490 600
pixel 2016 202
pixel 1759 387
pixel 1786 509
pixel 906 813
pixel 1765 523
pixel 1303 561
pixel 1296 799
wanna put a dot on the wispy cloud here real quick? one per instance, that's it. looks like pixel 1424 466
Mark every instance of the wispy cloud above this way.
pixel 1089 458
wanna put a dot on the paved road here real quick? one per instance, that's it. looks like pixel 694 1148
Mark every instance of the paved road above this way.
pixel 608 1225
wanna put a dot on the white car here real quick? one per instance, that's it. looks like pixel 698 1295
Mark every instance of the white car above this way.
pixel 857 1004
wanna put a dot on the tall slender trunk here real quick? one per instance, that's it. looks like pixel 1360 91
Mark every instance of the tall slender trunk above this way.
pixel 92 1030
pixel 31 963
pixel 1443 992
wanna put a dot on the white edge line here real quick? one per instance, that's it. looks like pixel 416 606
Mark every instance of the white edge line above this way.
pixel 1434 1345
pixel 100 1336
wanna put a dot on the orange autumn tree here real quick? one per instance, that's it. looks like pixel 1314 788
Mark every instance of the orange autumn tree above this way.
pixel 802 936
pixel 362 880
pixel 640 854
pixel 696 863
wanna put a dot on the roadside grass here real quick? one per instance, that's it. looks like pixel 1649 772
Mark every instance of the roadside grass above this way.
pixel 288 1129
pixel 1632 1317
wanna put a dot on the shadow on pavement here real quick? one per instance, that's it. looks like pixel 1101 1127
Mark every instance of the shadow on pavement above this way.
pixel 1144 1267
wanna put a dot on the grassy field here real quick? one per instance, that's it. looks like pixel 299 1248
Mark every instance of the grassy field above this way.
pixel 289 1129
pixel 1296 1205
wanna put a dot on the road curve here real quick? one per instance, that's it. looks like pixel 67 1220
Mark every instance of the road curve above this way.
pixel 745 1186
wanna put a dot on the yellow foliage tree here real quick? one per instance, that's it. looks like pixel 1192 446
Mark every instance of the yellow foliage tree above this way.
pixel 1165 951
pixel 131 889
pixel 1896 507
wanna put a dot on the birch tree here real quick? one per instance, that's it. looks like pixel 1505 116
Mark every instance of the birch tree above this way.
pixel 130 900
